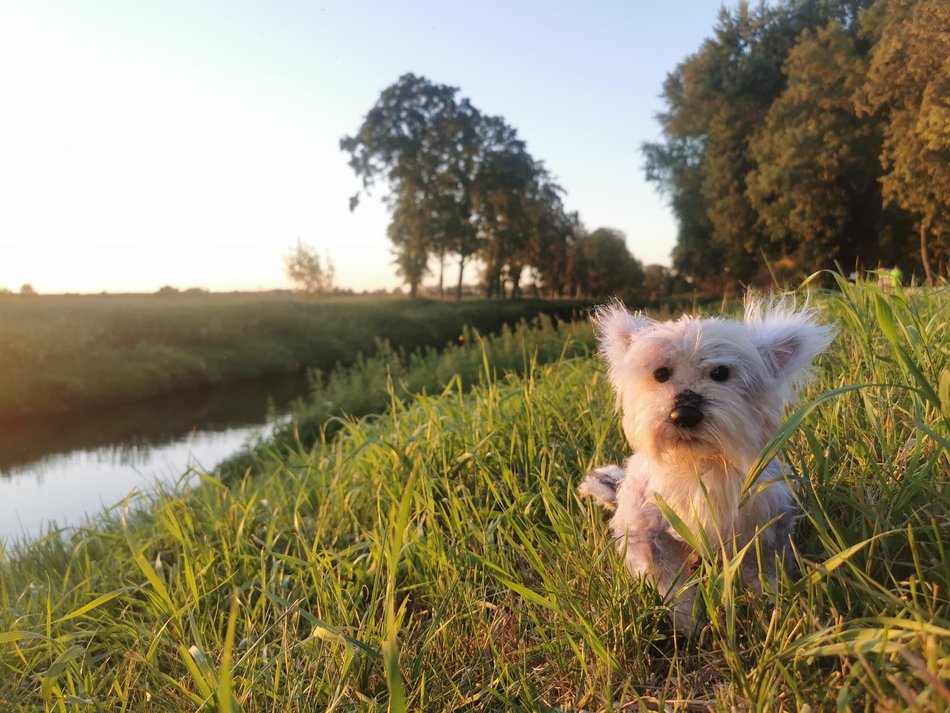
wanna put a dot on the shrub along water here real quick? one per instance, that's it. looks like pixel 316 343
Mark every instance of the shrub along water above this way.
pixel 437 558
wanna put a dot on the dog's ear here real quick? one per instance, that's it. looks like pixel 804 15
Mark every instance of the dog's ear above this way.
pixel 616 329
pixel 788 338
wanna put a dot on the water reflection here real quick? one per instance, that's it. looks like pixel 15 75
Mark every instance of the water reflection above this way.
pixel 61 469
pixel 129 430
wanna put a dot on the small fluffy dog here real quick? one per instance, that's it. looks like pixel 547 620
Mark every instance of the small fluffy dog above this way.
pixel 700 398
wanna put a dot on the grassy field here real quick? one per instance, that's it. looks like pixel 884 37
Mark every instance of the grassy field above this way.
pixel 59 353
pixel 437 558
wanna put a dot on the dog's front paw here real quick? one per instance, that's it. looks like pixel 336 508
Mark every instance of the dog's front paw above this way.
pixel 601 484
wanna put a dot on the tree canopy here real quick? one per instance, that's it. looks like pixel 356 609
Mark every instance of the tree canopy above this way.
pixel 908 85
pixel 462 185
pixel 806 133
pixel 310 274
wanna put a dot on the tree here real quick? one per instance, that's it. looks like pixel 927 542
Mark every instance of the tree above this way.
pixel 27 289
pixel 511 194
pixel 660 281
pixel 307 272
pixel 604 266
pixel 815 186
pixel 461 184
pixel 716 99
pixel 675 167
pixel 408 235
pixel 550 242
pixel 717 102
pixel 908 82
pixel 422 142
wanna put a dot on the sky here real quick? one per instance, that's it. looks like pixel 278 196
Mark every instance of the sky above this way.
pixel 193 144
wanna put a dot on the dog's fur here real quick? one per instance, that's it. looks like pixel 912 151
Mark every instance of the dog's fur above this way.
pixel 668 375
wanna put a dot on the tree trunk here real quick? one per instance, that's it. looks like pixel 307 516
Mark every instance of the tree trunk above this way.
pixel 441 275
pixel 515 274
pixel 458 288
pixel 493 282
pixel 923 253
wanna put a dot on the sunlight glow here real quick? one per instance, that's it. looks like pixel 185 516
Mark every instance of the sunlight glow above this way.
pixel 193 147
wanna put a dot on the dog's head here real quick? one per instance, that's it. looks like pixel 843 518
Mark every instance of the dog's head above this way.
pixel 707 387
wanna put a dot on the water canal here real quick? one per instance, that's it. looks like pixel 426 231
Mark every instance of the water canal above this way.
pixel 57 470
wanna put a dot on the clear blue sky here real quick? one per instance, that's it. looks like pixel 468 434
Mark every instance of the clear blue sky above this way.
pixel 192 143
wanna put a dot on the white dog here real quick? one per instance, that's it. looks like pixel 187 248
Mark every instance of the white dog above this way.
pixel 700 398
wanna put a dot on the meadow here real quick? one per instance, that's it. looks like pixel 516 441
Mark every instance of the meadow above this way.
pixel 435 557
pixel 67 352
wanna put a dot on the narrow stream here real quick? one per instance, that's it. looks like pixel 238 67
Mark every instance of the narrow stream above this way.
pixel 56 471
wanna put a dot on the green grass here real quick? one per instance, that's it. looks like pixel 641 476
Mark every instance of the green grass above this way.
pixel 60 353
pixel 437 558
pixel 371 383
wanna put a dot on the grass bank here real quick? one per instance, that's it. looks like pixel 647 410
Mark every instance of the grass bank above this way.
pixel 371 383
pixel 59 353
pixel 437 558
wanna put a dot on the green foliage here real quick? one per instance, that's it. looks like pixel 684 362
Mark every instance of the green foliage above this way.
pixel 425 145
pixel 410 241
pixel 782 128
pixel 908 83
pixel 307 272
pixel 603 265
pixel 437 558
pixel 463 184
pixel 661 282
pixel 816 183
pixel 717 99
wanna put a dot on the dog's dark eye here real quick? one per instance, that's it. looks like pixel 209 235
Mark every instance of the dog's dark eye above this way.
pixel 662 374
pixel 720 373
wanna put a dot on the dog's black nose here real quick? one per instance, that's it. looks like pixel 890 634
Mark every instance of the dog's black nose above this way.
pixel 687 409
pixel 686 416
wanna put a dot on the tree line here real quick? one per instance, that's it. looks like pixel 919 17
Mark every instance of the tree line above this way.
pixel 810 133
pixel 462 186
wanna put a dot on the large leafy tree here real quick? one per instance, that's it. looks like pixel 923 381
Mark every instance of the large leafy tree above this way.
pixel 603 266
pixel 501 193
pixel 460 183
pixel 810 132
pixel 519 213
pixel 552 234
pixel 716 100
pixel 908 84
pixel 660 281
pixel 676 167
pixel 421 141
pixel 815 183
pixel 408 233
